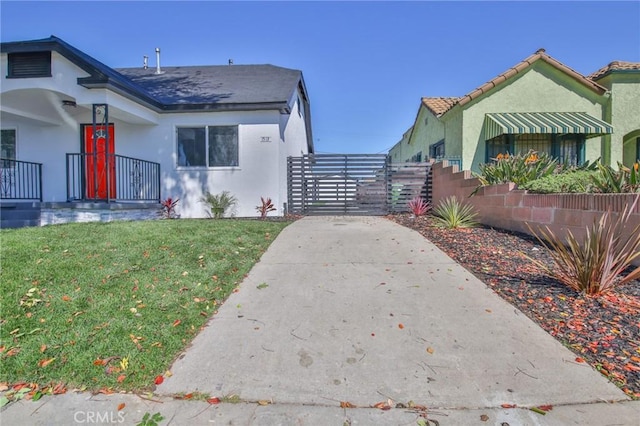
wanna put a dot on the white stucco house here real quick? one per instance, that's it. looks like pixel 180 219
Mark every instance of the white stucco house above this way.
pixel 75 130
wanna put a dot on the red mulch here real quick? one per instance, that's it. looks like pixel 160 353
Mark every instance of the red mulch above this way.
pixel 603 331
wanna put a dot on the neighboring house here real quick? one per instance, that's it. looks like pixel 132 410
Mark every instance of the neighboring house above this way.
pixel 539 104
pixel 145 134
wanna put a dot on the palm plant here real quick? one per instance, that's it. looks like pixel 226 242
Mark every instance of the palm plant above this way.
pixel 451 213
pixel 219 204
pixel 595 265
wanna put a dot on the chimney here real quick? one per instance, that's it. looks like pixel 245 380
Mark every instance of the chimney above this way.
pixel 145 62
pixel 158 71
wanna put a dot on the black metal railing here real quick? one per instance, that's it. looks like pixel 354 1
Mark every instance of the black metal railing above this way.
pixel 92 177
pixel 20 180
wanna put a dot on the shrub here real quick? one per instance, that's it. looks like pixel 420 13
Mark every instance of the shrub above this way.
pixel 419 206
pixel 569 182
pixel 168 207
pixel 519 169
pixel 624 180
pixel 451 213
pixel 265 207
pixel 593 266
pixel 219 204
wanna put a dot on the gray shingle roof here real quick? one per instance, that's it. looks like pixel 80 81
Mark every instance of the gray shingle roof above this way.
pixel 223 84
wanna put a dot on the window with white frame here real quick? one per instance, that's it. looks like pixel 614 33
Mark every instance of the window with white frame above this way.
pixel 207 146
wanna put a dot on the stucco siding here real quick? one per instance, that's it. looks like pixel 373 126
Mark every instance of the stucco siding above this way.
pixel 625 118
pixel 427 130
pixel 539 89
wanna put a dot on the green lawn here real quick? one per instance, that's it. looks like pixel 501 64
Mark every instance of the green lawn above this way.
pixel 110 305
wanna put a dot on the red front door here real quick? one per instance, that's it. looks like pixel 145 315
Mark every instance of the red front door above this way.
pixel 100 165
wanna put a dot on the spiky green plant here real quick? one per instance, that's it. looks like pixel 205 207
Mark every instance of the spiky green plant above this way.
pixel 623 180
pixel 451 213
pixel 519 169
pixel 219 204
pixel 593 266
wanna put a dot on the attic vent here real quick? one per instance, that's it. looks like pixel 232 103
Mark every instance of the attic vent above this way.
pixel 29 64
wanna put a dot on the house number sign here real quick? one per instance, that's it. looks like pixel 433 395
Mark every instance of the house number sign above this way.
pixel 265 139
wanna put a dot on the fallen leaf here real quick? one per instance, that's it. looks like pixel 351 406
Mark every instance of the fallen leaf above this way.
pixel 188 396
pixel 508 405
pixel 214 400
pixel 346 404
pixel 121 378
pixel 430 350
pixel 400 326
pixel 66 298
pixel 158 380
pixel 176 323
pixel 45 362
pixel 121 406
pixel 98 362
pixel 59 389
pixel 578 359
pixel 484 417
pixel 264 402
pixel 546 407
pixel 168 373
pixel 43 348
pixel 488 310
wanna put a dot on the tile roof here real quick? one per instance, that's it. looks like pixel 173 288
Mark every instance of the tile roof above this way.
pixel 439 106
pixel 540 54
pixel 614 66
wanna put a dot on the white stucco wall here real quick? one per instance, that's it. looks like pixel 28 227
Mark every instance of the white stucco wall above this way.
pixel 46 132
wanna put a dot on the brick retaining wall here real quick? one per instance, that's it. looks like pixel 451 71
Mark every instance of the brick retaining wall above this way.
pixel 503 206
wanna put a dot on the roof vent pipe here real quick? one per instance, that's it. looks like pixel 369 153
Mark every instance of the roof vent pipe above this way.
pixel 158 61
pixel 145 62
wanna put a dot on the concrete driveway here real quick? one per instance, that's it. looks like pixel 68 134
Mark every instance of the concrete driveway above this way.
pixel 354 311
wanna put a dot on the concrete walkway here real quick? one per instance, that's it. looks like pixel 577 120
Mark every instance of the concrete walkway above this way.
pixel 362 310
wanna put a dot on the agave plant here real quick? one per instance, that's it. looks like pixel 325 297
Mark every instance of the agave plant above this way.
pixel 595 265
pixel 219 204
pixel 451 213
pixel 419 206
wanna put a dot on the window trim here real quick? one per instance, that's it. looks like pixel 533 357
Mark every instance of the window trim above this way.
pixel 206 132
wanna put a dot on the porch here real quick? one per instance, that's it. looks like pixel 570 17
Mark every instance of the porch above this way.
pixel 99 187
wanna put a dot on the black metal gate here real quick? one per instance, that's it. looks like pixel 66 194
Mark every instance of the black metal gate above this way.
pixel 353 184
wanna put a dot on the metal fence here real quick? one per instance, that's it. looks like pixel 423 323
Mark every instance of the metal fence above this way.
pixel 119 179
pixel 20 180
pixel 353 184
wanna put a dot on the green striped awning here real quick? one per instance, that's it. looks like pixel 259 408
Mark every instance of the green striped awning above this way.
pixel 544 122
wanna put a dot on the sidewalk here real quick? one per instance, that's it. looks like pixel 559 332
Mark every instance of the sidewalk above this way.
pixel 360 310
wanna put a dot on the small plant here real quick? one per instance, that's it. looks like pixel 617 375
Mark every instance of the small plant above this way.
pixel 151 420
pixel 578 181
pixel 265 207
pixel 519 169
pixel 219 204
pixel 451 213
pixel 419 206
pixel 624 180
pixel 169 206
pixel 594 266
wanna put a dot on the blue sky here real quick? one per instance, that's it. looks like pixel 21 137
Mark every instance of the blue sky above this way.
pixel 366 64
